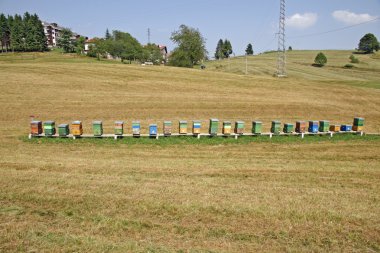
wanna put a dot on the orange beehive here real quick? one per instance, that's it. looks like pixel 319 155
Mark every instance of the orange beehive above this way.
pixel 36 127
pixel 357 128
pixel 76 128
pixel 334 128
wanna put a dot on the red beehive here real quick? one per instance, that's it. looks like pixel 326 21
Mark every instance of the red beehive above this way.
pixel 36 127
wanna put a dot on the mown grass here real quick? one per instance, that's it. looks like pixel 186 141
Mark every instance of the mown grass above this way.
pixel 284 194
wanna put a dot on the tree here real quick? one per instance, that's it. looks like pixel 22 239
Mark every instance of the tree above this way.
pixel 368 43
pixel 190 48
pixel 39 38
pixel 320 60
pixel 227 48
pixel 79 49
pixel 290 48
pixel 16 34
pixel 108 35
pixel 152 53
pixel 124 46
pixel 65 41
pixel 353 59
pixel 249 50
pixel 219 50
pixel 4 32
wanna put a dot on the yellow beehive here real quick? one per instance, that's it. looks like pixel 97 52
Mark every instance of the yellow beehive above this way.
pixel 334 128
pixel 357 128
pixel 76 128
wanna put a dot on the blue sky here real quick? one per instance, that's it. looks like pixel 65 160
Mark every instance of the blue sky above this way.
pixel 240 21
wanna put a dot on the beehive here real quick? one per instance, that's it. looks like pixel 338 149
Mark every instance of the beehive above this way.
pixel 288 128
pixel 324 126
pixel 226 128
pixel 213 127
pixel 313 126
pixel 97 128
pixel 239 127
pixel 49 128
pixel 357 128
pixel 256 127
pixel 334 128
pixel 63 130
pixel 276 127
pixel 136 128
pixel 36 127
pixel 183 127
pixel 119 127
pixel 76 128
pixel 153 130
pixel 345 128
pixel 300 126
pixel 358 121
pixel 196 127
pixel 167 128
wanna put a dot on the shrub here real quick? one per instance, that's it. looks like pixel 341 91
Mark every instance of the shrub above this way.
pixel 348 66
pixel 354 59
pixel 320 60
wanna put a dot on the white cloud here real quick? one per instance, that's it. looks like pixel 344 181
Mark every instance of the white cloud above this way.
pixel 351 18
pixel 302 21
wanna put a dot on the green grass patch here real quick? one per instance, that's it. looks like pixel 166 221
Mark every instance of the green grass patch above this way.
pixel 189 140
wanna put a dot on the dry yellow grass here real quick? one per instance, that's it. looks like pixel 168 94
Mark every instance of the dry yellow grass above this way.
pixel 245 197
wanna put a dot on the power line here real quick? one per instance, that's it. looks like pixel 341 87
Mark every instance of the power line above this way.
pixel 334 30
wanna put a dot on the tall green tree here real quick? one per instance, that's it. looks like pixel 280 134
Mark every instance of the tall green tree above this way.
pixel 65 41
pixel 79 47
pixel 249 49
pixel 4 32
pixel 368 43
pixel 227 48
pixel 39 38
pixel 16 35
pixel 219 50
pixel 108 35
pixel 152 53
pixel 27 32
pixel 190 48
pixel 320 60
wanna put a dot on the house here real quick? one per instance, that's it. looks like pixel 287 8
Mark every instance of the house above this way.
pixel 164 52
pixel 88 44
pixel 53 33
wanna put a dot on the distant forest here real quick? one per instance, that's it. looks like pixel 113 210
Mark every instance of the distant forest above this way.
pixel 22 33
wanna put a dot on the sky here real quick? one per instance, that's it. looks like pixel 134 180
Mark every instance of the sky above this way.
pixel 239 21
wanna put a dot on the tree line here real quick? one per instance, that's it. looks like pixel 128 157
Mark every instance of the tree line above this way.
pixel 22 33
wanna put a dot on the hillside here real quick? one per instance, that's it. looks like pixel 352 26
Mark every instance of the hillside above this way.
pixel 252 195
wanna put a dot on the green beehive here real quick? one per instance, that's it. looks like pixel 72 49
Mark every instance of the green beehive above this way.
pixel 49 128
pixel 183 127
pixel 119 127
pixel 239 127
pixel 288 128
pixel 214 125
pixel 136 128
pixel 276 127
pixel 324 126
pixel 256 127
pixel 97 127
pixel 358 121
pixel 63 130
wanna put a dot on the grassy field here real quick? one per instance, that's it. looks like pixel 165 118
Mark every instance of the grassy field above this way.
pixel 181 195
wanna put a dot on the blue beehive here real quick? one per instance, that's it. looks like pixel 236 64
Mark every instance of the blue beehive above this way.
pixel 153 130
pixel 313 127
pixel 346 128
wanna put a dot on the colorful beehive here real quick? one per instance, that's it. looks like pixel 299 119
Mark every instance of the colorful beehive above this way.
pixel 358 121
pixel 167 128
pixel 288 128
pixel 76 128
pixel 226 128
pixel 345 128
pixel 324 126
pixel 256 127
pixel 239 127
pixel 63 130
pixel 213 128
pixel 300 126
pixel 97 128
pixel 153 130
pixel 136 128
pixel 334 128
pixel 49 128
pixel 197 127
pixel 358 124
pixel 119 127
pixel 36 127
pixel 182 127
pixel 313 126
pixel 276 127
